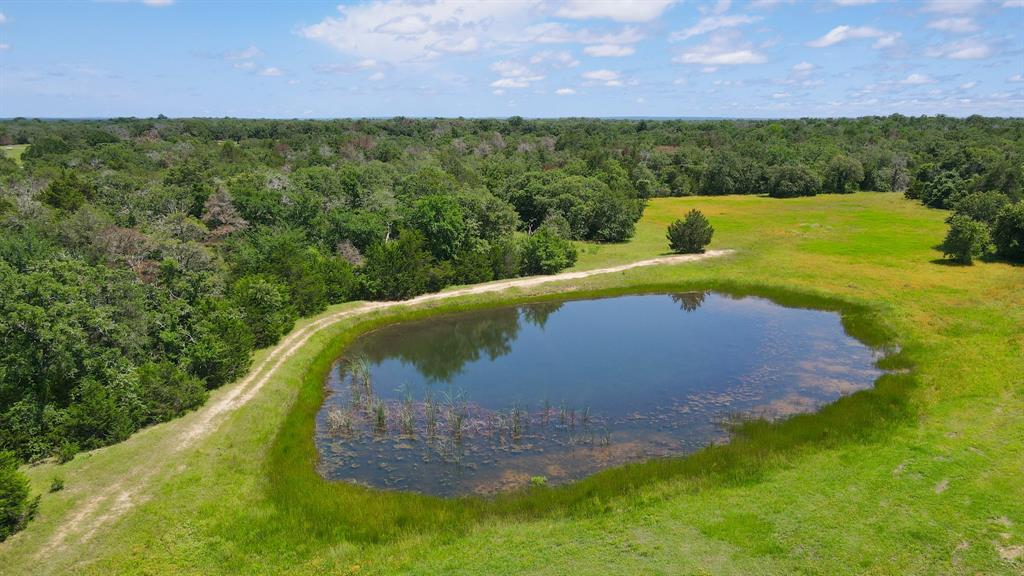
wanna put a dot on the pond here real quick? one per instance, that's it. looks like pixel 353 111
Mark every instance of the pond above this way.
pixel 486 401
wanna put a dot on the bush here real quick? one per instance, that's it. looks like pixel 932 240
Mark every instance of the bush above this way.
pixel 690 235
pixel 265 304
pixel 982 206
pixel 944 191
pixel 546 252
pixel 168 392
pixel 397 270
pixel 791 181
pixel 16 508
pixel 966 240
pixel 1008 231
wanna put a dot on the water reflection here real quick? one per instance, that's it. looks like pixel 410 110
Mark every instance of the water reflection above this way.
pixel 485 401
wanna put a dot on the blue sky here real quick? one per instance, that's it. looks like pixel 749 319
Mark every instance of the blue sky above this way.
pixel 499 58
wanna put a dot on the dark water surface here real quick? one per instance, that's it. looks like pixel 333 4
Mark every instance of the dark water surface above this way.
pixel 485 401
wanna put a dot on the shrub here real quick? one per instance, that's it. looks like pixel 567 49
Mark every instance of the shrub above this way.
pixel 57 484
pixel 546 252
pixel 966 240
pixel 265 304
pixel 944 191
pixel 16 508
pixel 981 206
pixel 1008 231
pixel 168 392
pixel 399 269
pixel 690 235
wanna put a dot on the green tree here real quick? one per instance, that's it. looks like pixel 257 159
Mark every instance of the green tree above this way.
pixel 167 391
pixel 966 240
pixel 399 269
pixel 792 180
pixel 843 174
pixel 67 191
pixel 16 507
pixel 547 252
pixel 441 222
pixel 691 234
pixel 265 304
pixel 943 191
pixel 982 206
pixel 221 343
pixel 1008 231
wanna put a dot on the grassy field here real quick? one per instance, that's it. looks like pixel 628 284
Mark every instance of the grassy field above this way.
pixel 920 476
pixel 14 151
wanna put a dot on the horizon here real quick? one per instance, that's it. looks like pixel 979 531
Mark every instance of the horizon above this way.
pixel 755 60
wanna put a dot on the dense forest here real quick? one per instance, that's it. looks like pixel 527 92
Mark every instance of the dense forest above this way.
pixel 143 260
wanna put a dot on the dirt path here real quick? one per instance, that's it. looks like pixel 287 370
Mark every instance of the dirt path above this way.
pixel 110 503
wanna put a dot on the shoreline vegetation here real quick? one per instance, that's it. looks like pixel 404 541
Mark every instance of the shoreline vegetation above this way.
pixel 333 510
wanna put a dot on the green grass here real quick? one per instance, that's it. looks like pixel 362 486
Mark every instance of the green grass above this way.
pixel 921 475
pixel 14 151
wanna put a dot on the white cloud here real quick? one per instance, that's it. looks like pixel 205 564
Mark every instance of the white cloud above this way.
pixel 968 85
pixel 601 75
pixel 609 50
pixel 560 58
pixel 969 49
pixel 917 80
pixel 853 2
pixel 514 75
pixel 158 2
pixel 1013 4
pixel 246 54
pixel 464 46
pixel 556 33
pixel 617 10
pixel 366 63
pixel 609 78
pixel 3 18
pixel 244 65
pixel 844 33
pixel 565 92
pixel 510 69
pixel 4 46
pixel 803 67
pixel 952 6
pixel 271 71
pixel 376 76
pixel 712 23
pixel 402 31
pixel 780 95
pixel 1015 78
pixel 511 83
pixel 960 25
pixel 721 50
pixel 719 7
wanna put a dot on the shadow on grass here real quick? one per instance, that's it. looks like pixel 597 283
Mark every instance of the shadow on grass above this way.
pixel 315 511
pixel 951 263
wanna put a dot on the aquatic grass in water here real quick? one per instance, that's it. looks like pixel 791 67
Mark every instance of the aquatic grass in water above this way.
pixel 670 374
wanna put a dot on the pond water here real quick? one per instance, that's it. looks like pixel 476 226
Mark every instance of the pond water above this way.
pixel 492 400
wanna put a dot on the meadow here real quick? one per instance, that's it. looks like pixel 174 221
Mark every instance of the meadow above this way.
pixel 920 475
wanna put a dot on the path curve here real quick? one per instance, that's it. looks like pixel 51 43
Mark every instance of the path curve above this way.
pixel 109 504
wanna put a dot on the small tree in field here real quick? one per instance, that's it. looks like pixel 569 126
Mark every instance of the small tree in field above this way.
pixel 967 239
pixel 691 234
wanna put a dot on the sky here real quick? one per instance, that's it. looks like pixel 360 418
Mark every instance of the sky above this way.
pixel 493 58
